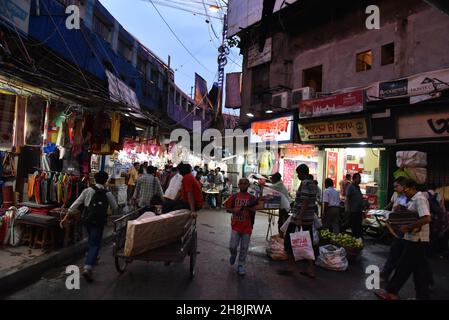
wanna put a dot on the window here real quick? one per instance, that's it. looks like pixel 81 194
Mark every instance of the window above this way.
pixel 364 61
pixel 313 77
pixel 124 48
pixel 387 53
pixel 142 66
pixel 154 76
pixel 178 98
pixel 102 29
pixel 184 103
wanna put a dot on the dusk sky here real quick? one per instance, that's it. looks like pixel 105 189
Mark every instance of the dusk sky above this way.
pixel 140 18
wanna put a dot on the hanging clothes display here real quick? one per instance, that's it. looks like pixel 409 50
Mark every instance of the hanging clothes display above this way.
pixel 7 113
pixel 78 138
pixel 266 162
pixel 34 119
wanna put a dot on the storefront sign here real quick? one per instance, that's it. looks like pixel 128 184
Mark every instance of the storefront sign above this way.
pixel 338 104
pixel 120 92
pixel 416 85
pixel 256 58
pixel 302 151
pixel 352 168
pixel 351 129
pixel 16 12
pixel 279 130
pixel 428 125
pixel 332 166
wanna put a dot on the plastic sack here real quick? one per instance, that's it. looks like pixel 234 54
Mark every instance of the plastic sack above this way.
pixel 302 245
pixel 284 227
pixel 332 258
pixel 275 248
pixel 411 159
pixel 417 174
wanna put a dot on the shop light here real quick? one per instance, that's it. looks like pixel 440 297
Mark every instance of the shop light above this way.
pixel 269 111
pixel 363 143
pixel 249 114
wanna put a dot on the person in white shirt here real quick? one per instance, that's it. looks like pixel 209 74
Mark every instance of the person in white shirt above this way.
pixel 331 207
pixel 94 217
pixel 413 259
pixel 173 191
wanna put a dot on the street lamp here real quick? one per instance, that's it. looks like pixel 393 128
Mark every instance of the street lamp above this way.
pixel 214 8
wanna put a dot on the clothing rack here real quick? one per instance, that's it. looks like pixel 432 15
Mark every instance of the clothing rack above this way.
pixel 59 172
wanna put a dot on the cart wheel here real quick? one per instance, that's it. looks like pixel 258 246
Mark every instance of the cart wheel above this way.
pixel 193 255
pixel 121 264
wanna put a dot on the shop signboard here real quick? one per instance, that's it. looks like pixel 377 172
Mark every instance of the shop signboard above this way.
pixel 16 12
pixel 352 168
pixel 120 92
pixel 422 126
pixel 348 129
pixel 417 85
pixel 337 104
pixel 332 166
pixel 278 130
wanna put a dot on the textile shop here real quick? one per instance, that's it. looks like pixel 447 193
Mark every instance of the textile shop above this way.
pixel 47 144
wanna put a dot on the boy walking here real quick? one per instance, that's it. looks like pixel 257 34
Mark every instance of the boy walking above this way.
pixel 96 200
pixel 241 205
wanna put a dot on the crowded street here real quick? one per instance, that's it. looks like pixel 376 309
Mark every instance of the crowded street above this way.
pixel 215 279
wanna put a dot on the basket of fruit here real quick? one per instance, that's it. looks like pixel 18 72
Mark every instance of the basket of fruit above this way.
pixel 352 246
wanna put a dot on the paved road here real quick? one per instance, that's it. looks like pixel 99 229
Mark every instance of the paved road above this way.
pixel 216 279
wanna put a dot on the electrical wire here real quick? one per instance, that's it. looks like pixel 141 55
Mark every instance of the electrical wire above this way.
pixel 179 40
pixel 65 43
pixel 180 8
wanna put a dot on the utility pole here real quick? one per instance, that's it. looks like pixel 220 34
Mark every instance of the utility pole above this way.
pixel 223 51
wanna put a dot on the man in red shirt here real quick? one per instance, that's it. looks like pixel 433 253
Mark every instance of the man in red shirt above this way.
pixel 191 193
pixel 241 205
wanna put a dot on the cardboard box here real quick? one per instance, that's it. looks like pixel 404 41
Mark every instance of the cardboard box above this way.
pixel 151 232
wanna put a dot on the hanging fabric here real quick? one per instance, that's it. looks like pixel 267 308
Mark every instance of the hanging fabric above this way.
pixel 78 138
pixel 34 118
pixel 115 127
pixel 46 122
pixel 7 110
pixel 19 129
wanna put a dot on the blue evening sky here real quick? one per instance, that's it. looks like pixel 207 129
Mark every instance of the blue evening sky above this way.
pixel 140 18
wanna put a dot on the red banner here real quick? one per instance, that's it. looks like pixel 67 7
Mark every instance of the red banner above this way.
pixel 337 104
pixel 332 166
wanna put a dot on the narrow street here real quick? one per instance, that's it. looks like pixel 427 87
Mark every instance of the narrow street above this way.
pixel 216 279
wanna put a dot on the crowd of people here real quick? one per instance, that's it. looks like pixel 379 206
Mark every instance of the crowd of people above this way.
pixel 182 187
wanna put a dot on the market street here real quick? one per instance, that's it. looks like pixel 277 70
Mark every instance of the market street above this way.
pixel 215 279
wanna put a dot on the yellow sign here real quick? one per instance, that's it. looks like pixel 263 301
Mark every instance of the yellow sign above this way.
pixel 351 129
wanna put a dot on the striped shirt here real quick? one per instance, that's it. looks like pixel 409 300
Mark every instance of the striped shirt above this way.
pixel 420 204
pixel 306 191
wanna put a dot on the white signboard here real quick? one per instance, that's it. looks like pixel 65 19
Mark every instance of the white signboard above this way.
pixel 244 13
pixel 120 92
pixel 256 58
pixel 16 12
pixel 416 85
pixel 279 130
pixel 427 125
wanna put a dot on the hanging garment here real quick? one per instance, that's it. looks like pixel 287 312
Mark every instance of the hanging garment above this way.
pixel 19 130
pixel 34 121
pixel 31 185
pixel 63 135
pixel 46 122
pixel 7 111
pixel 115 127
pixel 78 138
pixel 265 163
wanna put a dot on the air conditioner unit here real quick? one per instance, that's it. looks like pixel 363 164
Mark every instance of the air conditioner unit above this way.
pixel 281 100
pixel 301 94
